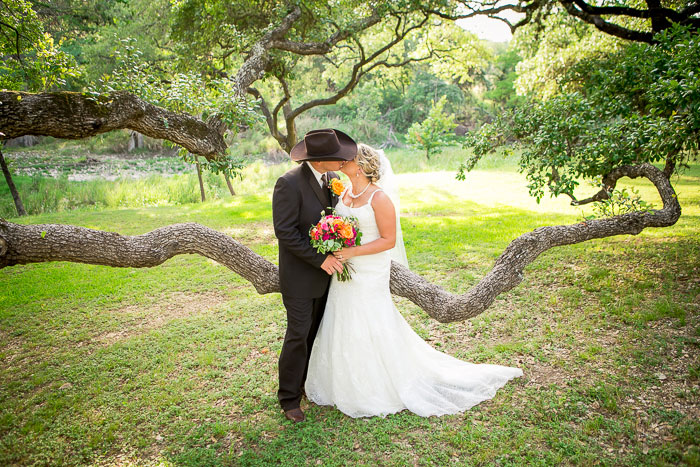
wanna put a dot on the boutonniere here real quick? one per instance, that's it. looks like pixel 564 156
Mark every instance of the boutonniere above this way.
pixel 336 186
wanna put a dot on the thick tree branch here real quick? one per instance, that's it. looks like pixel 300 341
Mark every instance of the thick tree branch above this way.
pixel 610 180
pixel 661 17
pixel 322 48
pixel 270 118
pixel 484 9
pixel 71 115
pixel 258 60
pixel 652 12
pixel 24 244
pixel 605 26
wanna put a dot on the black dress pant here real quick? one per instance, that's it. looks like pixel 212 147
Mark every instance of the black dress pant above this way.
pixel 303 319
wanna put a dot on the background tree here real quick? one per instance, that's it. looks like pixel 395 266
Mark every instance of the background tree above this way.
pixel 433 133
pixel 31 60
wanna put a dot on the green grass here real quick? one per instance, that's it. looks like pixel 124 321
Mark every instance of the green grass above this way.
pixel 176 365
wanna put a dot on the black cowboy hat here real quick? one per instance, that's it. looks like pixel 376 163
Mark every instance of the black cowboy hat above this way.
pixel 324 145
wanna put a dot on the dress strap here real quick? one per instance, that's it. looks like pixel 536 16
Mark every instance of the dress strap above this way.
pixel 369 201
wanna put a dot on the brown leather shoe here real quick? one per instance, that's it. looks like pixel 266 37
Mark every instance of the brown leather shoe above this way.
pixel 295 415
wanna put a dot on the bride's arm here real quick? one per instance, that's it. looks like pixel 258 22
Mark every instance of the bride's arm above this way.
pixel 385 216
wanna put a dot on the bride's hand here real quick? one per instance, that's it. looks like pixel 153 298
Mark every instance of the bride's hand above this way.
pixel 344 254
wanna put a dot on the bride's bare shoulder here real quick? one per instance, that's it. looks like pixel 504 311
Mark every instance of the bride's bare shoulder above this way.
pixel 379 199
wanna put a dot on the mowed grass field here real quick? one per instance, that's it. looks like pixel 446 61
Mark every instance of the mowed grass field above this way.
pixel 177 364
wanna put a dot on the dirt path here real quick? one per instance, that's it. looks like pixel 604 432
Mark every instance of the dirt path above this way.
pixel 86 166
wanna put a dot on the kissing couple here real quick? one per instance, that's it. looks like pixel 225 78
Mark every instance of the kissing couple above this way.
pixel 346 344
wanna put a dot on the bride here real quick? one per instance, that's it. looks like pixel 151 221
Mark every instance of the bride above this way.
pixel 366 360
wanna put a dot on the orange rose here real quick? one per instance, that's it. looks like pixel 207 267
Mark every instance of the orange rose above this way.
pixel 346 231
pixel 337 186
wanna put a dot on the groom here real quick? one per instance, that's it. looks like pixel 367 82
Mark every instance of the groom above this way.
pixel 300 199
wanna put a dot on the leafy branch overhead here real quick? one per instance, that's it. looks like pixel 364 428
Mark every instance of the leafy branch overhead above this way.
pixel 639 104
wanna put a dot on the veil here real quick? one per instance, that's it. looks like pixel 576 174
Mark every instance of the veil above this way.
pixel 387 182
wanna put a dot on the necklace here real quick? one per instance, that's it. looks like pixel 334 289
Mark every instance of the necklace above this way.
pixel 353 196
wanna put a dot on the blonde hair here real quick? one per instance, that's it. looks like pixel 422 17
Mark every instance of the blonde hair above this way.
pixel 368 161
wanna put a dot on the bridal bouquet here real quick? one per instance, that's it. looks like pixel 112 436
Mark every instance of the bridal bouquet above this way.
pixel 333 233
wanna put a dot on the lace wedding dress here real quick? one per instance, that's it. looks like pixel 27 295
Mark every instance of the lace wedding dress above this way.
pixel 366 359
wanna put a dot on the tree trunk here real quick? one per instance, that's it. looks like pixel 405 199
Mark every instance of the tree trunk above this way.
pixel 230 187
pixel 135 141
pixel 72 115
pixel 201 183
pixel 24 244
pixel 11 184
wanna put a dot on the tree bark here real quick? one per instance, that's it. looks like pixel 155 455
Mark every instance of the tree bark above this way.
pixel 24 244
pixel 258 59
pixel 13 189
pixel 71 115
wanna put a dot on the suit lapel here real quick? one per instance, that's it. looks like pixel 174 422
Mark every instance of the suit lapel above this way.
pixel 321 194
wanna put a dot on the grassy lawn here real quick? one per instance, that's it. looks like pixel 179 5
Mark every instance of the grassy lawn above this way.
pixel 177 365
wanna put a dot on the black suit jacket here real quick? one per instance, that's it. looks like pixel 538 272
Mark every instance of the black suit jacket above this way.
pixel 298 202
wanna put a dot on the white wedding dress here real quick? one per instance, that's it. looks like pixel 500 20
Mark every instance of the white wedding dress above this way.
pixel 366 359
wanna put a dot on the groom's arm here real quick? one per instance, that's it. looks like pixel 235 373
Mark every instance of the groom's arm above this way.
pixel 285 211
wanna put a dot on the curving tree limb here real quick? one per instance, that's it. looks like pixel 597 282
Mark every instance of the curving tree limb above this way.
pixel 24 244
pixel 72 115
pixel 508 269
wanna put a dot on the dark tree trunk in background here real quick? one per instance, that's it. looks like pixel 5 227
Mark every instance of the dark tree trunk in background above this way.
pixel 201 183
pixel 135 141
pixel 11 184
pixel 230 187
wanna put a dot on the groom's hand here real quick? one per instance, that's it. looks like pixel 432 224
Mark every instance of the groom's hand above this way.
pixel 331 265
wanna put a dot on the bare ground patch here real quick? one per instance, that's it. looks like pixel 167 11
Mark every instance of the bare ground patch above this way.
pixel 170 307
pixel 254 232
